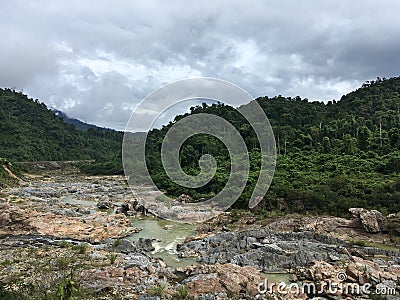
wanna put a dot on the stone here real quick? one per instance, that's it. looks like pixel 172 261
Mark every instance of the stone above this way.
pixel 104 204
pixel 372 220
pixel 184 198
pixel 136 260
pixel 145 244
pixel 124 246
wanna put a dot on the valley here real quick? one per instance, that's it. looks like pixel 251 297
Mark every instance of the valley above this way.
pixel 53 235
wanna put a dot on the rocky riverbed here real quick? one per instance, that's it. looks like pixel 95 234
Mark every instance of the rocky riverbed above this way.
pixel 56 243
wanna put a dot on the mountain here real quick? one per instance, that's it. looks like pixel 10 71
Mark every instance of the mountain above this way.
pixel 29 131
pixel 77 123
pixel 331 156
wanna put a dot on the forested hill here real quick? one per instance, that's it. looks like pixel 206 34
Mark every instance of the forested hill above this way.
pixel 331 156
pixel 29 131
pixel 367 119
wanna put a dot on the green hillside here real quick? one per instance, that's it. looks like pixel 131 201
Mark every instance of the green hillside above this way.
pixel 29 131
pixel 330 156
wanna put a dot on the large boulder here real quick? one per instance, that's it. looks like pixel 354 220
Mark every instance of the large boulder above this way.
pixel 184 198
pixel 104 204
pixel 145 245
pixel 371 220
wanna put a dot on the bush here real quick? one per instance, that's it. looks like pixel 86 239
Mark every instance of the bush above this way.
pixel 157 290
pixel 64 244
pixel 113 257
pixel 82 248
pixel 183 292
pixel 357 243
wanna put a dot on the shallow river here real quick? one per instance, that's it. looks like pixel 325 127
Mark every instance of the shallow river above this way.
pixel 164 240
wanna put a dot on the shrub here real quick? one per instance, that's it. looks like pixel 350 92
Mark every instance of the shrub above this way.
pixel 117 242
pixel 82 248
pixel 183 292
pixel 113 257
pixel 157 290
pixel 64 244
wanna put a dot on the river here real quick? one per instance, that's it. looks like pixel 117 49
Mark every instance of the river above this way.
pixel 166 235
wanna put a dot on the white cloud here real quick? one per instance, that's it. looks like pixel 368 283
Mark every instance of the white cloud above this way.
pixel 96 59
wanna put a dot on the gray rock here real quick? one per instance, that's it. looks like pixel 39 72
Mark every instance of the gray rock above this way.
pixel 136 260
pixel 124 246
pixel 145 244
pixel 96 255
pixel 249 248
pixel 372 220
pixel 104 204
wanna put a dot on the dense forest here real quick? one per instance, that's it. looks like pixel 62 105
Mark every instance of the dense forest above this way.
pixel 29 131
pixel 331 156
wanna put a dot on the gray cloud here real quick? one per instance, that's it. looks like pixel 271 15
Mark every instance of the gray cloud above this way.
pixel 96 60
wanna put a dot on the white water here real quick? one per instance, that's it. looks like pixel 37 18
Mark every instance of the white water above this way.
pixel 165 240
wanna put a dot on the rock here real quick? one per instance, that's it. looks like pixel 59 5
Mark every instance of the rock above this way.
pixel 372 220
pixel 138 206
pixel 358 252
pixel 139 260
pixel 334 257
pixel 264 250
pixel 125 207
pixel 168 227
pixel 293 278
pixel 184 198
pixel 97 256
pixel 358 272
pixel 95 227
pixel 104 204
pixel 221 278
pixel 352 273
pixel 145 244
pixel 124 246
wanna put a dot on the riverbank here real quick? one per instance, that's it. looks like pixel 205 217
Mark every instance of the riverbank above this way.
pixel 55 239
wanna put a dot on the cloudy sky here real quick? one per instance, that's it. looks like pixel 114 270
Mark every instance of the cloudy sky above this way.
pixel 95 60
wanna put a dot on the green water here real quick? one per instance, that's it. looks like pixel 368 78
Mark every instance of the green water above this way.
pixel 277 277
pixel 73 200
pixel 165 240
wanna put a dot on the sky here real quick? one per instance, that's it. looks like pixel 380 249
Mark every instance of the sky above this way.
pixel 96 60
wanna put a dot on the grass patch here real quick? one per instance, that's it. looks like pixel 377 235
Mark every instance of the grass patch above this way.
pixel 112 257
pixel 116 243
pixel 6 263
pixel 183 292
pixel 82 248
pixel 157 290
pixel 357 243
